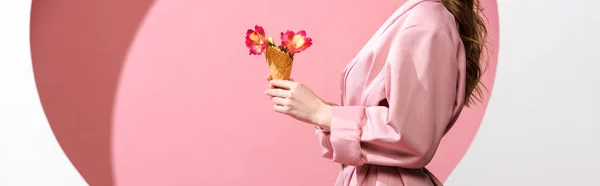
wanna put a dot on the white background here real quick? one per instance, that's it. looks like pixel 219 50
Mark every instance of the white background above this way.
pixel 538 130
pixel 29 153
pixel 543 120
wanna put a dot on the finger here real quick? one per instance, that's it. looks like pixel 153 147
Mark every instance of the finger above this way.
pixel 281 109
pixel 280 101
pixel 269 78
pixel 271 99
pixel 278 93
pixel 283 84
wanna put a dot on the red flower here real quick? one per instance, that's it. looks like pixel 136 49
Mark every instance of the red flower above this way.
pixel 256 40
pixel 295 42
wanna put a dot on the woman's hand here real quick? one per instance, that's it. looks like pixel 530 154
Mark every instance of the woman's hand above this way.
pixel 298 101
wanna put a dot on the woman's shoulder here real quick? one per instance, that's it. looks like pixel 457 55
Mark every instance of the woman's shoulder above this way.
pixel 431 14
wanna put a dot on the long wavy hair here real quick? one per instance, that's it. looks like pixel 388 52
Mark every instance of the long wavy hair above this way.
pixel 473 33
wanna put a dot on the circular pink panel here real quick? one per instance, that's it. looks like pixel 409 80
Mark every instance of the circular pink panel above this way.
pixel 164 93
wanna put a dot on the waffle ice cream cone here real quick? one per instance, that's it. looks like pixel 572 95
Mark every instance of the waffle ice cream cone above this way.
pixel 280 63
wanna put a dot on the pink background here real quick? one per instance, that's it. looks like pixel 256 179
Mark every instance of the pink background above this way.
pixel 164 92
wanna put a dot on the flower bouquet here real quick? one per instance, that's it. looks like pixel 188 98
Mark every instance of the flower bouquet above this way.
pixel 279 57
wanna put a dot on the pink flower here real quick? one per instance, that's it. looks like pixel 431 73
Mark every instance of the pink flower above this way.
pixel 295 42
pixel 256 40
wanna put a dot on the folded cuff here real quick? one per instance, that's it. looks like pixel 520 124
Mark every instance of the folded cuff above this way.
pixel 346 126
pixel 323 137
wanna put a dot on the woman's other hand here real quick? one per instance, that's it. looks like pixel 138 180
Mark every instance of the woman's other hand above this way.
pixel 298 101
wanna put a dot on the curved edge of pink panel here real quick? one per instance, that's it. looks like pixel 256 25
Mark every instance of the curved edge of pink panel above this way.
pixel 78 50
pixel 456 143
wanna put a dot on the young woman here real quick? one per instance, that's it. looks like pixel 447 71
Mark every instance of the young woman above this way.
pixel 401 93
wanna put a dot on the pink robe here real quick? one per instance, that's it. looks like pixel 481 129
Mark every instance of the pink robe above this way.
pixel 400 95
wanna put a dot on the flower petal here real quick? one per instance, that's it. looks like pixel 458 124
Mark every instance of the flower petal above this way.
pixel 302 33
pixel 298 41
pixel 307 43
pixel 260 31
pixel 286 39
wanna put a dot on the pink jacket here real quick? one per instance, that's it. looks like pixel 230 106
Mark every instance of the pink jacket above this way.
pixel 415 63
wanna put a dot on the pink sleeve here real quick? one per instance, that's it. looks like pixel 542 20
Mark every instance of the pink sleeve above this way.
pixel 421 86
pixel 323 137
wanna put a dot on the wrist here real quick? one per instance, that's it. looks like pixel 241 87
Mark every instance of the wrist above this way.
pixel 324 117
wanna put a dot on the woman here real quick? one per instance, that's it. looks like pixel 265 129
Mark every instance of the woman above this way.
pixel 400 94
